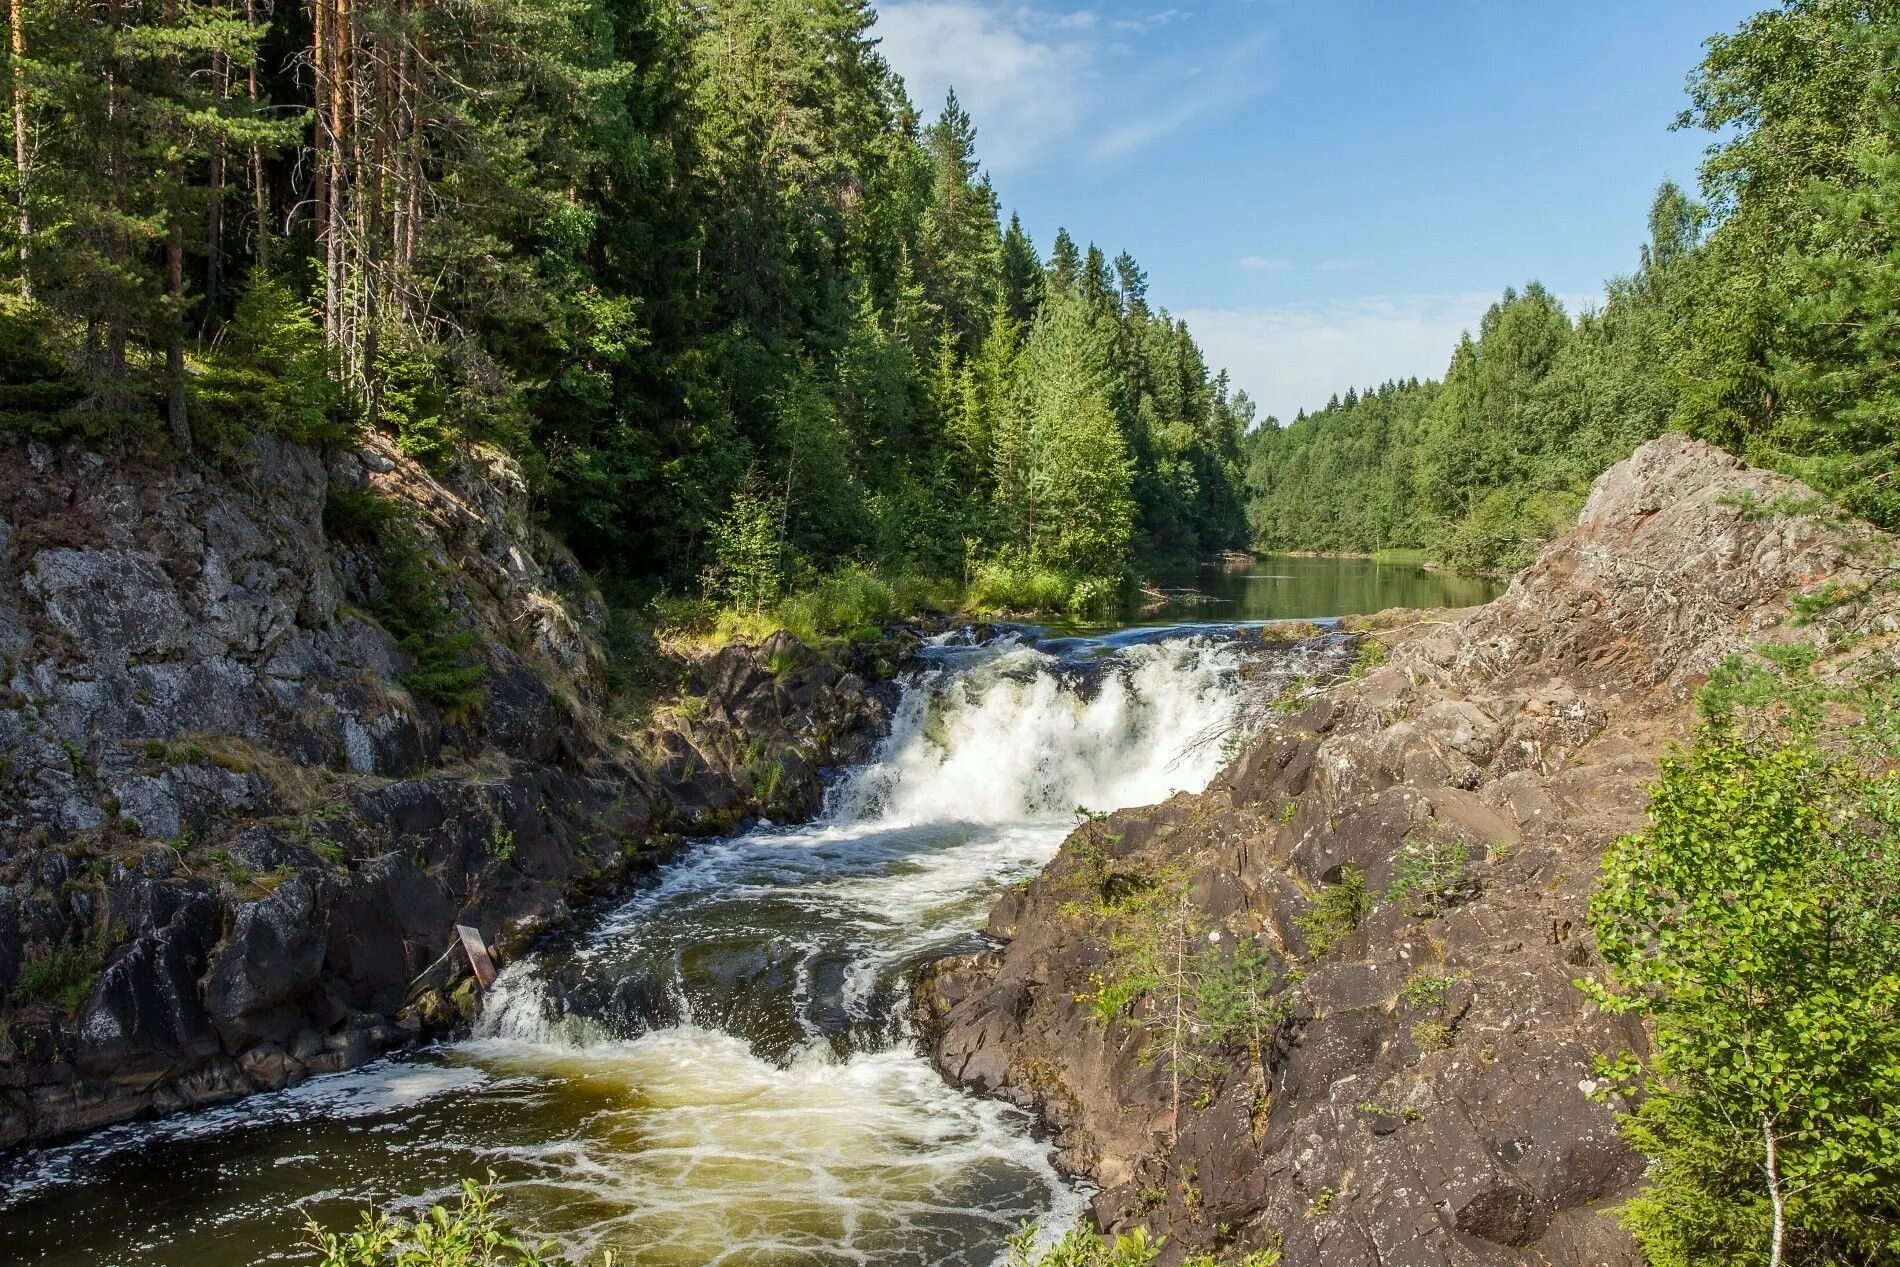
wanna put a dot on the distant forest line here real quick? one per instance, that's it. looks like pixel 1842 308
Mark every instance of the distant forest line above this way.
pixel 1763 315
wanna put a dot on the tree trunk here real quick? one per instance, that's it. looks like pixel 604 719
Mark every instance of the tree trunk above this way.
pixel 1772 1167
pixel 21 162
pixel 214 213
pixel 175 336
pixel 259 199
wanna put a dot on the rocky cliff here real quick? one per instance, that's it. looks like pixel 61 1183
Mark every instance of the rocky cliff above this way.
pixel 1412 853
pixel 234 843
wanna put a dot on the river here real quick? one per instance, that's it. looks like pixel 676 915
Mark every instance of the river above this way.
pixel 718 1069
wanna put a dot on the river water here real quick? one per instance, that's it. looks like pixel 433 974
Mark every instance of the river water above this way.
pixel 718 1069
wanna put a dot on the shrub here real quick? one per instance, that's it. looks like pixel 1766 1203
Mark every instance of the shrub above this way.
pixel 1755 924
pixel 1012 583
pixel 1161 973
pixel 748 545
pixel 65 974
pixel 269 371
pixel 37 388
pixel 1083 1246
pixel 410 601
pixel 1428 990
pixel 1335 913
pixel 1432 876
pixel 473 1234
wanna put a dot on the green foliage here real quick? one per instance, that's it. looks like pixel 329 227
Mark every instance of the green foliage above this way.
pixel 1194 994
pixel 410 601
pixel 1432 875
pixel 1425 990
pixel 1335 913
pixel 64 975
pixel 748 568
pixel 1755 924
pixel 853 604
pixel 268 371
pixel 472 1234
pixel 38 389
pixel 1012 583
pixel 1083 1246
pixel 500 846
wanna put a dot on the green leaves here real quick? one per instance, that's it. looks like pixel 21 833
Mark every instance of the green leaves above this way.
pixel 1755 924
pixel 473 1234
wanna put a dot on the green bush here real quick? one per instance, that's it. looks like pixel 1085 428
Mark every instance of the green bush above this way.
pixel 1010 583
pixel 410 601
pixel 269 371
pixel 1083 1246
pixel 65 974
pixel 473 1234
pixel 1755 924
pixel 1507 529
pixel 1335 913
pixel 853 603
pixel 1432 875
pixel 38 390
pixel 749 554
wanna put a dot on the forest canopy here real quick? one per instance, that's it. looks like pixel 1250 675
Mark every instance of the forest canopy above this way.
pixel 703 271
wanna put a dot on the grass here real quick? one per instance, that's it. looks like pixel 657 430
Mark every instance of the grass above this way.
pixel 851 605
pixel 64 975
pixel 857 602
pixel 1402 555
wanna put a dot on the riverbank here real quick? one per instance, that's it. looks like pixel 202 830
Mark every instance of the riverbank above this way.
pixel 1403 865
pixel 271 730
pixel 719 1064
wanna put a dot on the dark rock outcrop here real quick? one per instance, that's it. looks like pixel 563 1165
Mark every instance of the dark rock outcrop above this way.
pixel 1429 1097
pixel 233 847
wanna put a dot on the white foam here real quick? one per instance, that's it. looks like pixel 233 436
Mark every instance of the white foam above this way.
pixel 1011 741
pixel 704 1153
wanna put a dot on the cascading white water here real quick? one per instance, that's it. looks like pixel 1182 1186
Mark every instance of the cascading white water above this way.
pixel 786 1115
pixel 720 1070
pixel 1012 740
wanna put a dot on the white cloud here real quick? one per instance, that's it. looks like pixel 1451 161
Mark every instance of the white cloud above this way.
pixel 1149 21
pixel 1188 92
pixel 1264 264
pixel 1294 356
pixel 1036 78
pixel 1026 78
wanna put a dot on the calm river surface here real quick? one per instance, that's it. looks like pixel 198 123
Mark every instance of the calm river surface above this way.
pixel 718 1069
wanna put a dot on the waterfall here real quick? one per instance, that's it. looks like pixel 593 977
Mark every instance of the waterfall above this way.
pixel 1024 736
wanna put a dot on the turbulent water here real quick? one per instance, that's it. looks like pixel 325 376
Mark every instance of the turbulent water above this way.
pixel 718 1071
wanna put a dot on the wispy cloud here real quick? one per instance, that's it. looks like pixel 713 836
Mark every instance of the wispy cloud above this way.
pixel 1149 21
pixel 1294 356
pixel 1024 77
pixel 1265 264
pixel 1037 79
pixel 1188 93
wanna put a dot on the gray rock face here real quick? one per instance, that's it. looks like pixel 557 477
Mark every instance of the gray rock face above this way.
pixel 242 843
pixel 1391 1122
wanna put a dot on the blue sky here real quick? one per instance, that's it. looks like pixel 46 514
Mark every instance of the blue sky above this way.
pixel 1328 190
